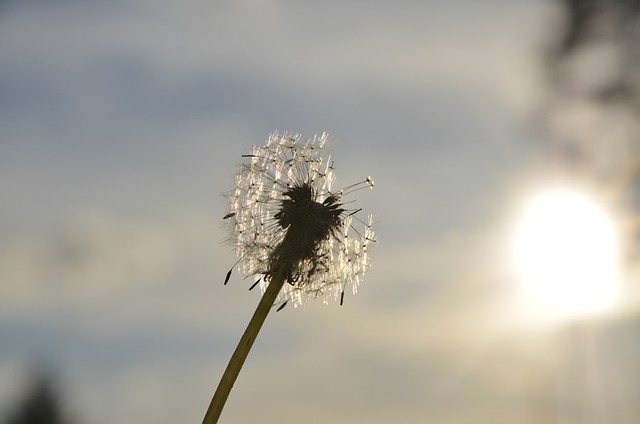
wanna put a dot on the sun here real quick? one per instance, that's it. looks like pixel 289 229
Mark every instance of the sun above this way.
pixel 566 252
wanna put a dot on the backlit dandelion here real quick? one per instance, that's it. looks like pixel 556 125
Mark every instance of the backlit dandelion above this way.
pixel 284 214
pixel 291 230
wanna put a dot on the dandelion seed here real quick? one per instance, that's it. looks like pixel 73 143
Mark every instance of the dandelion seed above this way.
pixel 284 214
pixel 255 284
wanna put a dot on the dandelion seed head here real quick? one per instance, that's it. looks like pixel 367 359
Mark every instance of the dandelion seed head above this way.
pixel 284 216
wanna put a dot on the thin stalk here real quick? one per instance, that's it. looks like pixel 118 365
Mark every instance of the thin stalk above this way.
pixel 243 348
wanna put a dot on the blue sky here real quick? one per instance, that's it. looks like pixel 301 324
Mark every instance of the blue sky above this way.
pixel 121 127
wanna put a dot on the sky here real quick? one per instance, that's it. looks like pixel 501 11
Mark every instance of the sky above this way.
pixel 121 127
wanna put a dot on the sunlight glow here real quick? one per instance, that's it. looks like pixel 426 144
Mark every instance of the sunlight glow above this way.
pixel 566 251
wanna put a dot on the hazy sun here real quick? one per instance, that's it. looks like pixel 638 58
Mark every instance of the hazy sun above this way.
pixel 566 251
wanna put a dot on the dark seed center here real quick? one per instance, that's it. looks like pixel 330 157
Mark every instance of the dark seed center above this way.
pixel 307 223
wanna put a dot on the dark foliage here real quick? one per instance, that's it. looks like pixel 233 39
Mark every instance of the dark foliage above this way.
pixel 40 406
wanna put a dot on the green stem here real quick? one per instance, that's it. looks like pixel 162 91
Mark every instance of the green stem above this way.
pixel 243 348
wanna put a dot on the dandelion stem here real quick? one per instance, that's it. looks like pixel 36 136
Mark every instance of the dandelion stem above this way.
pixel 243 348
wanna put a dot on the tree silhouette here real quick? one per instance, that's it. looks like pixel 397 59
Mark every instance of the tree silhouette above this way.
pixel 40 406
pixel 593 111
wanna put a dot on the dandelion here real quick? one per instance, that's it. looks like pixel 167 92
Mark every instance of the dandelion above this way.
pixel 285 215
pixel 293 232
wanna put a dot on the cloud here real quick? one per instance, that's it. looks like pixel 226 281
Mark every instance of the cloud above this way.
pixel 81 264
